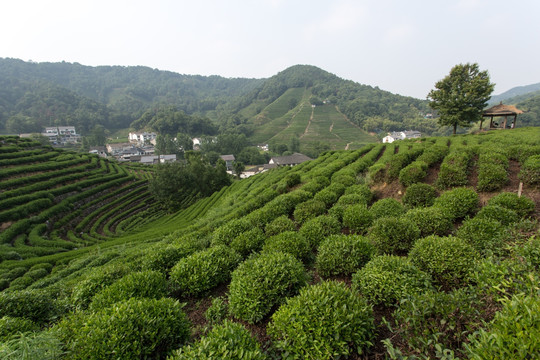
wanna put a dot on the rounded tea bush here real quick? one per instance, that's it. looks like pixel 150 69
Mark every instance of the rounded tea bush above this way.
pixel 229 340
pixel 430 221
pixel 325 321
pixel 413 173
pixel 314 230
pixel 12 326
pixel 387 279
pixel 290 242
pixel 343 254
pixel 37 305
pixel 248 242
pixel 386 207
pixel 279 225
pixel 133 329
pixel 458 203
pixel 200 272
pixel 523 206
pixel 393 235
pixel 449 260
pixel 308 210
pixel 362 190
pixel 163 258
pixel 357 218
pixel 495 212
pixel 144 284
pixel 352 199
pixel 337 211
pixel 419 195
pixel 225 233
pixel 485 235
pixel 262 282
pixel 530 170
pixel 327 196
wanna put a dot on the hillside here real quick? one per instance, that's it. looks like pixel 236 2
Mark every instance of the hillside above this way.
pixel 429 235
pixel 516 94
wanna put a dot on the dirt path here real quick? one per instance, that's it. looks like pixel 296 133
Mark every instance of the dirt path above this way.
pixel 308 124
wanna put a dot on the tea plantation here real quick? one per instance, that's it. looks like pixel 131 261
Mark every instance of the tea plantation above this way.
pixel 410 250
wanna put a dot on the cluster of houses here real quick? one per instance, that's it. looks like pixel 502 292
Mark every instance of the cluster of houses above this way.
pixel 401 135
pixel 59 135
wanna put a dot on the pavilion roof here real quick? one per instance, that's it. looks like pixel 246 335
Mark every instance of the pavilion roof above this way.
pixel 502 110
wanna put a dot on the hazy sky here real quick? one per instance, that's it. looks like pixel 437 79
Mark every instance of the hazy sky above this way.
pixel 403 46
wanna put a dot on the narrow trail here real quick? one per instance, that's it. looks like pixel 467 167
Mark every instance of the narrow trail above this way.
pixel 331 127
pixel 347 146
pixel 309 123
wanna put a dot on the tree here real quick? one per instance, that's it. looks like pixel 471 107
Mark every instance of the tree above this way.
pixel 461 96
pixel 238 168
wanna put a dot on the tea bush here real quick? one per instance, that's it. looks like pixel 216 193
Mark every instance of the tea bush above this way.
pixel 485 235
pixel 530 171
pixel 144 284
pixel 200 272
pixel 337 211
pixel 248 242
pixel 393 235
pixel 387 279
pixel 386 207
pixel 279 225
pixel 262 282
pixel 225 233
pixel 491 177
pixel 413 173
pixel 133 329
pixel 327 196
pixel 454 169
pixel 290 242
pixel 226 341
pixel 362 190
pixel 343 255
pixel 448 260
pixel 357 218
pixel 523 206
pixel 163 258
pixel 217 312
pixel 316 229
pixel 12 326
pixel 352 199
pixel 419 195
pixel 38 306
pixel 513 334
pixel 308 210
pixel 430 221
pixel 312 324
pixel 495 212
pixel 530 252
pixel 458 202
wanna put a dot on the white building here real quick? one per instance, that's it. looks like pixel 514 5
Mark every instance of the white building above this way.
pixel 142 138
pixel 401 135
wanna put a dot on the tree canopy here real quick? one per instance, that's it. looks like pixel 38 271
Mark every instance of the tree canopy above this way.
pixel 461 96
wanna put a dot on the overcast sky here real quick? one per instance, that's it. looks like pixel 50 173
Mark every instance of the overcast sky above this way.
pixel 403 46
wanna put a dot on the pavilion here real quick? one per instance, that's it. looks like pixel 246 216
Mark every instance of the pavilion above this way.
pixel 501 110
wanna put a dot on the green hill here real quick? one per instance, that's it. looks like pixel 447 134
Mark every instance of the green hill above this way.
pixel 429 234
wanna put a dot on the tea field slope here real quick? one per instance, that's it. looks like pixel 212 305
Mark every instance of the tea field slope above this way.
pixel 416 248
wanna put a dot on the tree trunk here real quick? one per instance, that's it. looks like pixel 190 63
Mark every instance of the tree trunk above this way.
pixel 455 127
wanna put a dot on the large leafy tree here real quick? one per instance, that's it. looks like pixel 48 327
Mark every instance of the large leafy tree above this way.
pixel 461 96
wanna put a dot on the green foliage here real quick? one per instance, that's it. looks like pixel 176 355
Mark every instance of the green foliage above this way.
pixel 164 257
pixel 11 326
pixel 203 270
pixel 262 282
pixel 248 242
pixel 217 312
pixel 226 341
pixel 448 260
pixel 146 284
pixel 523 206
pixel 530 171
pixel 393 235
pixel 352 199
pixel 386 207
pixel 485 235
pixel 85 289
pixel 419 194
pixel 458 203
pixel 42 345
pixel 279 225
pixel 343 255
pixel 454 170
pixel 495 212
pixel 389 279
pixel 491 177
pixel 38 306
pixel 530 252
pixel 327 196
pixel 362 190
pixel 513 333
pixel 133 329
pixel 357 218
pixel 413 173
pixel 226 233
pixel 308 210
pixel 325 321
pixel 430 221
pixel 316 229
pixel 290 242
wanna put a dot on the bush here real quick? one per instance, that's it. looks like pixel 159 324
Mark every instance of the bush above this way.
pixel 279 225
pixel 262 282
pixel 38 306
pixel 314 230
pixel 290 242
pixel 430 221
pixel 312 324
pixel 389 279
pixel 308 210
pixel 484 235
pixel 248 242
pixel 530 171
pixel 387 207
pixel 362 190
pixel 337 211
pixel 225 233
pixel 145 284
pixel 12 326
pixel 327 196
pixel 458 203
pixel 217 312
pixel 200 272
pixel 352 199
pixel 523 206
pixel 448 260
pixel 491 177
pixel 357 218
pixel 413 173
pixel 343 255
pixel 419 195
pixel 226 341
pixel 377 173
pixel 513 334
pixel 393 235
pixel 163 258
pixel 133 329
pixel 495 212
pixel 530 252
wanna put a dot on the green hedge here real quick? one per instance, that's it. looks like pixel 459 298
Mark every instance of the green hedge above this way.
pixel 316 229
pixel 430 221
pixel 458 203
pixel 290 242
pixel 530 171
pixel 419 195
pixel 343 255
pixel 393 235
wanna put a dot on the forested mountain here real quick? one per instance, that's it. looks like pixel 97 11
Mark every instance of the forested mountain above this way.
pixel 516 94
pixel 531 107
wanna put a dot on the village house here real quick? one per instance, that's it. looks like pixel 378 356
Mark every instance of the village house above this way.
pixel 229 160
pixel 142 138
pixel 401 135
pixel 61 135
pixel 289 160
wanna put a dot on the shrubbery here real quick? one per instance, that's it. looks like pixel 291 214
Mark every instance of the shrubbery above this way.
pixel 386 207
pixel 495 212
pixel 133 329
pixel 225 233
pixel 163 258
pixel 226 341
pixel 248 242
pixel 362 190
pixel 327 196
pixel 12 326
pixel 458 203
pixel 523 206
pixel 343 255
pixel 316 229
pixel 448 260
pixel 357 218
pixel 325 321
pixel 419 195
pixel 352 199
pixel 430 221
pixel 388 279
pixel 279 225
pixel 530 171
pixel 262 282
pixel 485 235
pixel 290 242
pixel 413 173
pixel 393 235
pixel 38 306
pixel 308 210
pixel 200 272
